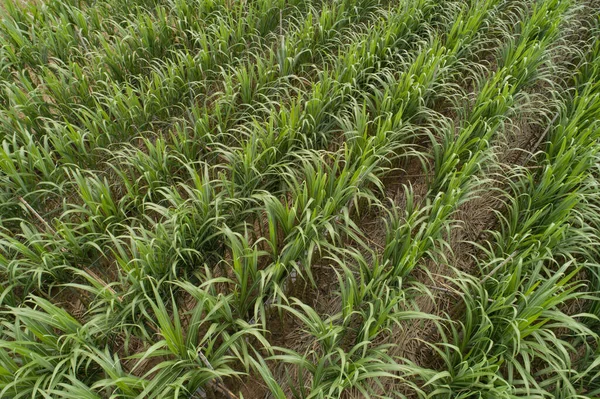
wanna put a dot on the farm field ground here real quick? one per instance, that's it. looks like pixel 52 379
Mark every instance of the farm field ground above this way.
pixel 299 199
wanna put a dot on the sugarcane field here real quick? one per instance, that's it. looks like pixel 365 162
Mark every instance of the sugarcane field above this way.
pixel 299 199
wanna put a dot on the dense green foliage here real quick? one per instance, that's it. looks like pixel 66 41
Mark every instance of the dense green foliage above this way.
pixel 299 199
